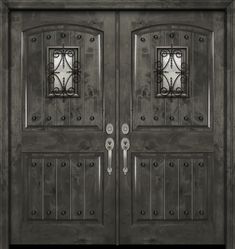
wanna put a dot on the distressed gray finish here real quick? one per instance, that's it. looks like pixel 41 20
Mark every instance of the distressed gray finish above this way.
pixel 226 5
pixel 83 111
pixel 4 114
pixel 81 198
pixel 152 110
pixel 150 140
pixel 230 113
pixel 119 4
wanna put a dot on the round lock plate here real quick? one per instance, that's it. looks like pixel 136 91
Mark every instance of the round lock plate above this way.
pixel 109 129
pixel 125 129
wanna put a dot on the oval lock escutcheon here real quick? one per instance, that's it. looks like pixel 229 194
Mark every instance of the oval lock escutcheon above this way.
pixel 109 129
pixel 125 129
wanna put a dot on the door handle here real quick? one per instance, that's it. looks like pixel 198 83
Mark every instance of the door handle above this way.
pixel 125 145
pixel 109 145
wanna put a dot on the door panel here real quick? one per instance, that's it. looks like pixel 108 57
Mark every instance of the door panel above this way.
pixel 63 80
pixel 62 96
pixel 188 105
pixel 72 187
pixel 82 104
pixel 172 81
pixel 170 187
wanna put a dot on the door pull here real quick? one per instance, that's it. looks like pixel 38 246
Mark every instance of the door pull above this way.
pixel 125 145
pixel 109 145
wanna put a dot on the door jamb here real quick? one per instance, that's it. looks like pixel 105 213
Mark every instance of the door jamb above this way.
pixel 228 6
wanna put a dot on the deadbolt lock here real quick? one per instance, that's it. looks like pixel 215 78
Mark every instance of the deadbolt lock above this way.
pixel 125 128
pixel 109 129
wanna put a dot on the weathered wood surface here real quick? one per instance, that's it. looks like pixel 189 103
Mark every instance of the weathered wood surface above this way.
pixel 112 4
pixel 4 115
pixel 151 139
pixel 119 4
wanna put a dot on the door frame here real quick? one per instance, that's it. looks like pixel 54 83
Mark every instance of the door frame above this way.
pixel 228 6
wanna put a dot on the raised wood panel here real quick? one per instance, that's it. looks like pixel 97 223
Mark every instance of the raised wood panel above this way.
pixel 171 186
pixel 83 111
pixel 64 187
pixel 152 110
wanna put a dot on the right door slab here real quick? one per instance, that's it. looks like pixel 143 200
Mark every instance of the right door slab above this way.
pixel 172 97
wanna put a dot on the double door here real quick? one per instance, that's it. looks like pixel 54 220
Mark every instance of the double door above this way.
pixel 117 127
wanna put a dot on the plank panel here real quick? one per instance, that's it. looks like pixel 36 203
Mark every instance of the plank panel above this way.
pixel 142 189
pixel 92 189
pixel 185 188
pixel 34 80
pixel 142 79
pixel 92 80
pixel 200 75
pixel 63 188
pixel 49 188
pixel 35 188
pixel 49 103
pixel 157 188
pixel 200 189
pixel 171 188
pixel 77 188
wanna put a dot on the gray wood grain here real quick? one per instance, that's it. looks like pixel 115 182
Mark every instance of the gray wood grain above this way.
pixel 227 6
pixel 230 114
pixel 4 168
pixel 153 140
pixel 119 4
pixel 54 189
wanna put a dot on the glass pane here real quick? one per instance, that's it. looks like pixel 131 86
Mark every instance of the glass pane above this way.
pixel 63 64
pixel 171 72
pixel 63 73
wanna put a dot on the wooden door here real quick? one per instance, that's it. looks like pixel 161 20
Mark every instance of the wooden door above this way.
pixel 65 69
pixel 172 99
pixel 62 97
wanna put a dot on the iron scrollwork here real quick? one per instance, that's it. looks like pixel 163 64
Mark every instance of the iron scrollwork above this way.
pixel 64 72
pixel 172 72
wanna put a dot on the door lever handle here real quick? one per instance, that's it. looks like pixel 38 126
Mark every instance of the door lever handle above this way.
pixel 109 145
pixel 125 145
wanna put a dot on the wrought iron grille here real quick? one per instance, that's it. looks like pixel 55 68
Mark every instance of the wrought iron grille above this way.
pixel 64 72
pixel 172 72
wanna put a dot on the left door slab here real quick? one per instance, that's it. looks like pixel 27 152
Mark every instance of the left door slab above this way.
pixel 62 95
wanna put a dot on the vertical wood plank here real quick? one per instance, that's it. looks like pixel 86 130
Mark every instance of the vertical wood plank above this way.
pixel 92 189
pixel 171 188
pixel 92 80
pixel 77 188
pixel 34 82
pixel 142 79
pixel 200 189
pixel 185 104
pixel 200 76
pixel 157 188
pixel 185 188
pixel 49 39
pixel 35 188
pixel 142 189
pixel 49 188
pixel 63 189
